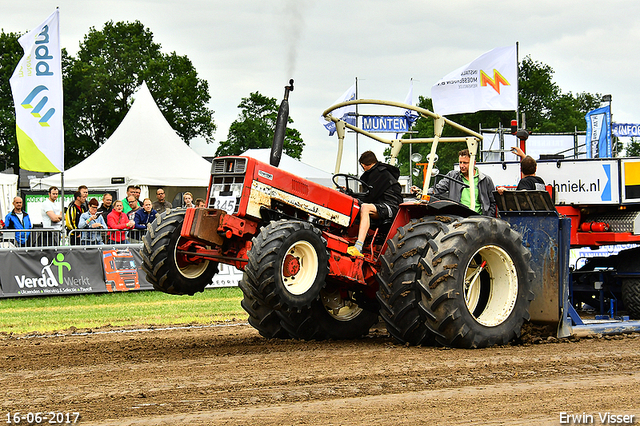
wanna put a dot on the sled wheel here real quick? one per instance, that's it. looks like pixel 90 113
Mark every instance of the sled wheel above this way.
pixel 168 270
pixel 631 297
pixel 630 286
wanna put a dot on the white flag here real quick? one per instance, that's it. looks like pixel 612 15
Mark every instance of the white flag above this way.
pixel 346 113
pixel 36 85
pixel 490 82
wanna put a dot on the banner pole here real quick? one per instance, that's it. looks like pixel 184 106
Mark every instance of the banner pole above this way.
pixel 517 82
pixel 64 216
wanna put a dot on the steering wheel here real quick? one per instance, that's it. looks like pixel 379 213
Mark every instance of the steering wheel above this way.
pixel 453 179
pixel 345 189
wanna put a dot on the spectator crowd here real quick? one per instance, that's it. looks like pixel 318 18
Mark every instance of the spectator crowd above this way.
pixel 88 222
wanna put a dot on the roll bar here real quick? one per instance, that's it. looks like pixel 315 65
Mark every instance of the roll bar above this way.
pixel 439 122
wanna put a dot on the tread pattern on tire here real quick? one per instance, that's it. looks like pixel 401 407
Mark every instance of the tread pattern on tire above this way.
pixel 421 302
pixel 263 265
pixel 261 317
pixel 631 297
pixel 630 286
pixel 399 294
pixel 157 249
pixel 450 320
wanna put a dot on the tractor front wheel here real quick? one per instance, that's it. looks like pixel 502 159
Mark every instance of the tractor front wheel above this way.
pixel 167 269
pixel 287 265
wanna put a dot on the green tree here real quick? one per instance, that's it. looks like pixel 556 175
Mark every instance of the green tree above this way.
pixel 633 148
pixel 111 64
pixel 255 128
pixel 447 151
pixel 10 54
pixel 546 108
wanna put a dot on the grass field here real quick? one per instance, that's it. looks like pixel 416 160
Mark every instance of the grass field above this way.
pixel 140 308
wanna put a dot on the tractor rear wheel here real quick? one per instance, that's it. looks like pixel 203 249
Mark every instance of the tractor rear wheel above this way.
pixel 168 270
pixel 472 287
pixel 287 265
pixel 479 292
pixel 399 293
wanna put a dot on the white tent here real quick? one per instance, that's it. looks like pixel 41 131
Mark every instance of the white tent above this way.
pixel 292 165
pixel 144 150
pixel 8 190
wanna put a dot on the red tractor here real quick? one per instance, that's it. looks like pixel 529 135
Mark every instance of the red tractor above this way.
pixel 438 274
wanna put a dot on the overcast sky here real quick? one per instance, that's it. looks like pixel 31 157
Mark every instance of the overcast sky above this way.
pixel 244 46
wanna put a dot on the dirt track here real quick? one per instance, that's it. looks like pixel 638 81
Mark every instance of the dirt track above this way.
pixel 229 375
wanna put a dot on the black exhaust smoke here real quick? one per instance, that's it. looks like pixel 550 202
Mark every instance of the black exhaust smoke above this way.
pixel 281 127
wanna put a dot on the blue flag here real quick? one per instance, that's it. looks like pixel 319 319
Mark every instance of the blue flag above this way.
pixel 346 114
pixel 410 115
pixel 598 140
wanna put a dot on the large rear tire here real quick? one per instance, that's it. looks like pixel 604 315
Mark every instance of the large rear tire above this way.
pixel 167 270
pixel 479 292
pixel 287 265
pixel 472 287
pixel 399 293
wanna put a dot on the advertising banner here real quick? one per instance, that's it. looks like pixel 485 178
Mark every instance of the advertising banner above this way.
pixel 36 85
pixel 385 123
pixel 76 270
pixel 576 182
pixel 122 270
pixel 625 129
pixel 489 82
pixel 599 133
pixel 630 180
pixel 50 272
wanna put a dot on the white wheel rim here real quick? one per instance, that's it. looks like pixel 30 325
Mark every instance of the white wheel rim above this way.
pixel 338 307
pixel 190 270
pixel 502 283
pixel 302 280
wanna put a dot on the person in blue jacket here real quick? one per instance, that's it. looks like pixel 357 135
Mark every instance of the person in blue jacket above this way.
pixel 144 216
pixel 18 219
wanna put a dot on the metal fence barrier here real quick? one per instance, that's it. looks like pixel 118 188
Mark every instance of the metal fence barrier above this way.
pixel 42 237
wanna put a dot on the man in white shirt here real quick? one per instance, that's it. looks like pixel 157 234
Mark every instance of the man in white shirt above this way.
pixel 52 218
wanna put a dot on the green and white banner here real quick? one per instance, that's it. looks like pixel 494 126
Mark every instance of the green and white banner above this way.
pixel 36 85
pixel 71 270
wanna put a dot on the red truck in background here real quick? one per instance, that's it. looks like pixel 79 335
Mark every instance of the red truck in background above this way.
pixel 120 270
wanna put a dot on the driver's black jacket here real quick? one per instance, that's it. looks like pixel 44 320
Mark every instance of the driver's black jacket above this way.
pixel 383 178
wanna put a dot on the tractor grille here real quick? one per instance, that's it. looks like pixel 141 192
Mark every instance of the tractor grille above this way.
pixel 226 188
pixel 229 165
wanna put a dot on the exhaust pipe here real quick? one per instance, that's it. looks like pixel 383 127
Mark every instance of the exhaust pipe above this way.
pixel 281 127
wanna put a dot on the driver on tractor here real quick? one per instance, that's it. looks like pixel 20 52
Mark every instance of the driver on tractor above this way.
pixel 383 199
